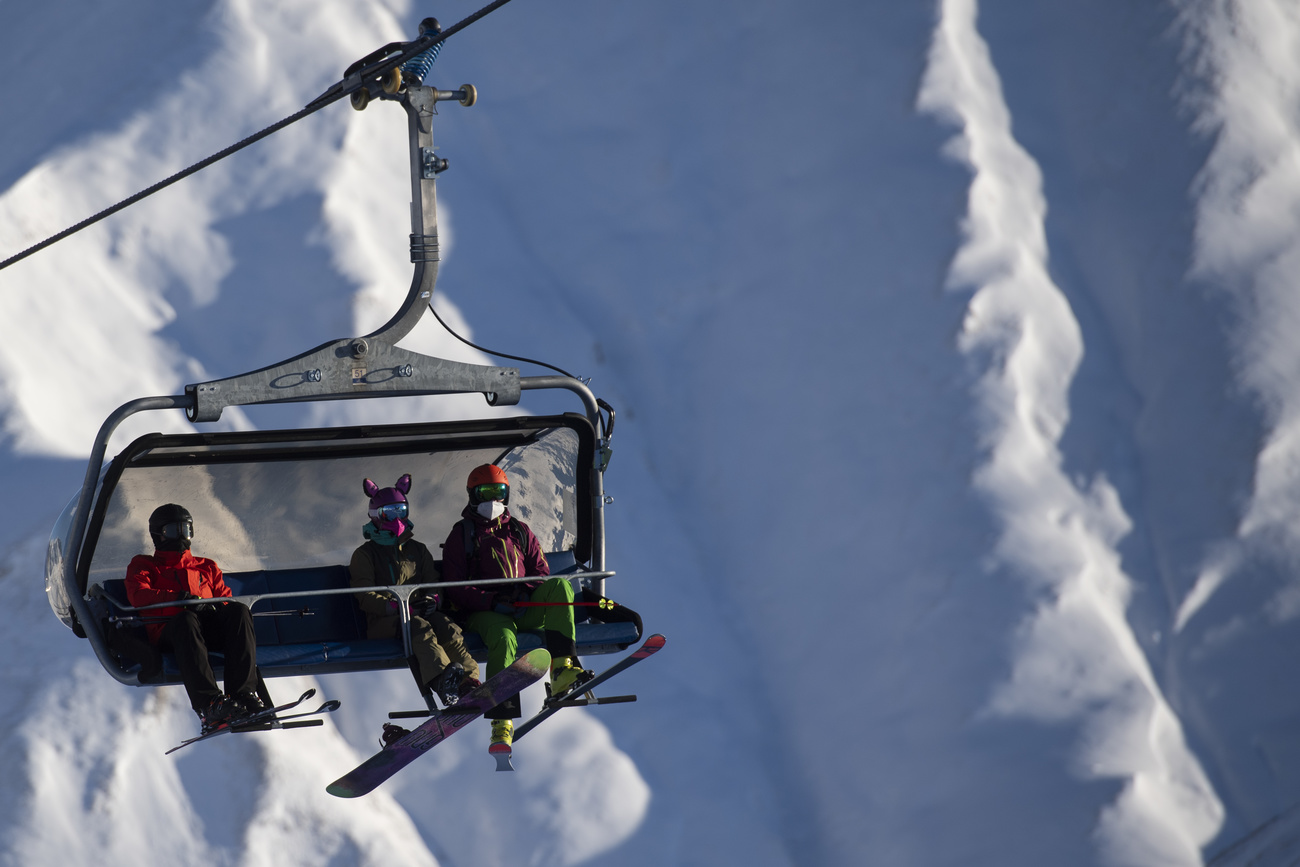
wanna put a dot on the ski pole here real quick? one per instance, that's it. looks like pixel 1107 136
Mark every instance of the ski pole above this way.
pixel 606 604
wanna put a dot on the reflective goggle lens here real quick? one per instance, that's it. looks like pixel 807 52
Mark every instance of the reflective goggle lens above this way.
pixel 495 491
pixel 391 511
pixel 178 530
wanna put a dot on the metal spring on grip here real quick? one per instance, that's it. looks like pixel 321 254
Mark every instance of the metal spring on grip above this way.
pixel 415 69
pixel 424 248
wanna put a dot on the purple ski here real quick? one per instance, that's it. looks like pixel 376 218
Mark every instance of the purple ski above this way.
pixel 367 776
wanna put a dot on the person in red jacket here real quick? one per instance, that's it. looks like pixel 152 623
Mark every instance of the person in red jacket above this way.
pixel 172 574
pixel 488 542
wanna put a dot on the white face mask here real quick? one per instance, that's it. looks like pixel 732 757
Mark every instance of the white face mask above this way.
pixel 492 509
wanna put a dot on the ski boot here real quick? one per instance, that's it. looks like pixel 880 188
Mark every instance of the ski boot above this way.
pixel 392 733
pixel 452 684
pixel 248 703
pixel 467 683
pixel 499 747
pixel 567 676
pixel 218 712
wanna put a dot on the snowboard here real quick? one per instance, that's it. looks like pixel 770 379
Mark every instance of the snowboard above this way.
pixel 371 773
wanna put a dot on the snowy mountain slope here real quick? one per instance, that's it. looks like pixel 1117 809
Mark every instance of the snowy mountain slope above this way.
pixel 1242 605
pixel 950 346
pixel 1058 534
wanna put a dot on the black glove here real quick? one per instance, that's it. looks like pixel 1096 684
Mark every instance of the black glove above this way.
pixel 189 597
pixel 423 604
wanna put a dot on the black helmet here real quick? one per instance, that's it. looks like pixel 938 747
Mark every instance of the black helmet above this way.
pixel 171 528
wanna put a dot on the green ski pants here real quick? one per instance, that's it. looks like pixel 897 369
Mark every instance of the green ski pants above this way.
pixel 500 632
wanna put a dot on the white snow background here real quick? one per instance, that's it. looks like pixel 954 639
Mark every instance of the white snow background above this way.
pixel 958 447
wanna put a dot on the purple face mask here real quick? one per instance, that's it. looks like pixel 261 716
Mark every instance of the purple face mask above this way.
pixel 388 506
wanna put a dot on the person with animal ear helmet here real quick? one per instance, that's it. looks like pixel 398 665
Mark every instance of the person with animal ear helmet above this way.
pixel 488 542
pixel 390 556
pixel 172 574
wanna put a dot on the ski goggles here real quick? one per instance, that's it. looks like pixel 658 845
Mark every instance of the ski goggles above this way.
pixel 390 511
pixel 493 491
pixel 183 529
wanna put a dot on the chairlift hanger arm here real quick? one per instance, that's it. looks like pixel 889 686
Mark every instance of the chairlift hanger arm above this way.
pixel 374 366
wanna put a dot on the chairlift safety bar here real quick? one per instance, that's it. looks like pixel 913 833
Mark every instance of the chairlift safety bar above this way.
pixel 403 592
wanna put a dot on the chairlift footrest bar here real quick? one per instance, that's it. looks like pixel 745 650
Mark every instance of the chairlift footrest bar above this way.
pixel 409 714
pixel 253 727
pixel 277 724
pixel 302 723
pixel 585 702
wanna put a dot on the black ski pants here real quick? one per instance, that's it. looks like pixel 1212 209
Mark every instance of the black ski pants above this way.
pixel 225 628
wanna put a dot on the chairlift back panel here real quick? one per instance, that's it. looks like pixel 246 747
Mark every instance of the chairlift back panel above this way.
pixel 272 500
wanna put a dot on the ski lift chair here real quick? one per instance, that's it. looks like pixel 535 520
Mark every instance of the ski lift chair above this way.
pixel 281 511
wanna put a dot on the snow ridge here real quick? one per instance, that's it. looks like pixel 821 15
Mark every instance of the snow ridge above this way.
pixel 1248 245
pixel 1075 659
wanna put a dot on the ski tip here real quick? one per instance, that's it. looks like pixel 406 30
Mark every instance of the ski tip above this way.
pixel 331 706
pixel 652 644
pixel 308 694
pixel 338 790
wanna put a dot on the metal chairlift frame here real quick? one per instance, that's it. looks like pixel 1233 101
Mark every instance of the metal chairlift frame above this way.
pixel 371 366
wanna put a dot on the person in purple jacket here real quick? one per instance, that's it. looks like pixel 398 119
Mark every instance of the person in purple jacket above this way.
pixel 488 542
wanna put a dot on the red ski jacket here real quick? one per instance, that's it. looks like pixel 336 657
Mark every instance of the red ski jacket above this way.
pixel 169 575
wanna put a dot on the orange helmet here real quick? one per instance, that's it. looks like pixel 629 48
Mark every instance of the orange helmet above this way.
pixel 490 475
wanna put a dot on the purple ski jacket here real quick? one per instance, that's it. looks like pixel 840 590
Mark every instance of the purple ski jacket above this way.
pixel 497 555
